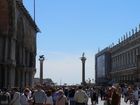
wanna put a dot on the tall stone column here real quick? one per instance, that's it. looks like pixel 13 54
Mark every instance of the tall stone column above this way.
pixel 83 59
pixel 23 78
pixel 18 75
pixel 5 77
pixel 0 76
pixel 12 77
pixel 30 78
pixel 13 51
pixel 27 78
pixel 6 49
pixel 41 59
pixel 23 60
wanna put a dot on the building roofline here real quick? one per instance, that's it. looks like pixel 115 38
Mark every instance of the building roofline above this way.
pixel 107 49
pixel 28 16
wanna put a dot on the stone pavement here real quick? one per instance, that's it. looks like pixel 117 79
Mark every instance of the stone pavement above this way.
pixel 101 102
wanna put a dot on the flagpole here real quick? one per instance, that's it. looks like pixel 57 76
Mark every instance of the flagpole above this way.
pixel 34 10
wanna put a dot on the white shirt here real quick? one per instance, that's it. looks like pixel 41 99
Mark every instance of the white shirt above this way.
pixel 49 100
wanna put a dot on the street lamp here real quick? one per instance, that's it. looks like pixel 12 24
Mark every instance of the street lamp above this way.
pixel 41 59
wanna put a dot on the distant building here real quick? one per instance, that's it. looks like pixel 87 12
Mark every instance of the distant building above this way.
pixel 102 66
pixel 17 45
pixel 125 60
pixel 46 81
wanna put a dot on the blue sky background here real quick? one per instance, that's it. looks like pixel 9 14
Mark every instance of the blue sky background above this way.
pixel 71 27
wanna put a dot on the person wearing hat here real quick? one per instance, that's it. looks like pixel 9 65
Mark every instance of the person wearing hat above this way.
pixel 61 99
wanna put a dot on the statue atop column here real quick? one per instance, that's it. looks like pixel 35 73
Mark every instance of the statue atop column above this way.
pixel 83 54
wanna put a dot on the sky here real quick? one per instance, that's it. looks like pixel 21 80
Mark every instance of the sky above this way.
pixel 71 27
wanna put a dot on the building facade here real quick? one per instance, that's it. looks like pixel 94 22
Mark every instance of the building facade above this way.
pixel 125 59
pixel 102 66
pixel 17 45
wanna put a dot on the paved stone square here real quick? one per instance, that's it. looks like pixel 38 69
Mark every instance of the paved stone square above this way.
pixel 101 102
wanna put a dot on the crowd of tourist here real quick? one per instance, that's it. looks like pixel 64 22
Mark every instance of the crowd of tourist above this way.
pixel 72 95
pixel 112 94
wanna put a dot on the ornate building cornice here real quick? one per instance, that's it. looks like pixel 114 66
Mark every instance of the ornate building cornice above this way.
pixel 26 13
pixel 127 43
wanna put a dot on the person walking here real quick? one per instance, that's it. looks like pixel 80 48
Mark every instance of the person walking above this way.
pixel 93 96
pixel 61 99
pixel 116 95
pixel 16 97
pixel 135 95
pixel 24 99
pixel 39 96
pixel 80 97
pixel 49 100
pixel 71 96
